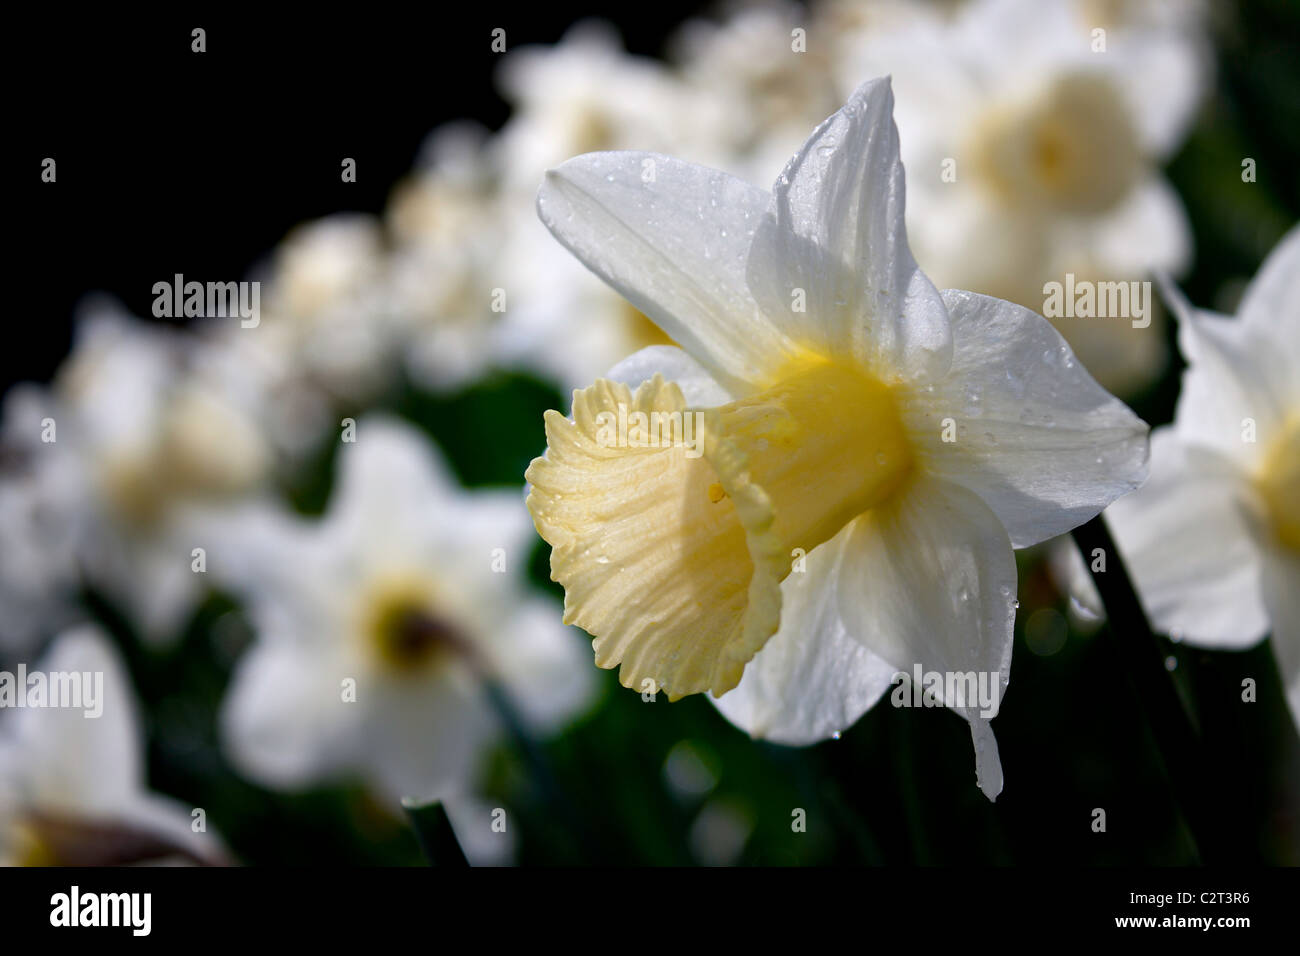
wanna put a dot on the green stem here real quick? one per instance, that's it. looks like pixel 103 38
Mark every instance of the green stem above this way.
pixel 437 838
pixel 1141 657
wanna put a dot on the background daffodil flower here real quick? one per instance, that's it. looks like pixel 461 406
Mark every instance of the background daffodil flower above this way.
pixel 1213 539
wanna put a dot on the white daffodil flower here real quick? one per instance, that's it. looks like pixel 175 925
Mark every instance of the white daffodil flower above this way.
pixel 1033 133
pixel 327 310
pixel 72 783
pixel 377 626
pixel 1213 539
pixel 136 447
pixel 846 458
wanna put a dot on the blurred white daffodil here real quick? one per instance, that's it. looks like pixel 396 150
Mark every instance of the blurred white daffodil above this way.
pixel 1213 539
pixel 138 446
pixel 586 93
pixel 763 77
pixel 378 625
pixel 72 784
pixel 853 456
pixel 1033 134
pixel 327 311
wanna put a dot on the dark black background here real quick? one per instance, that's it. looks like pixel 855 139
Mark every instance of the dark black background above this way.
pixel 171 161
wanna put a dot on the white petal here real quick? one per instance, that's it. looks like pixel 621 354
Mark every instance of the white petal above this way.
pixel 284 722
pixel 697 385
pixel 545 664
pixel 836 231
pixel 1147 230
pixel 812 679
pixel 1270 308
pixel 424 739
pixel 73 763
pixel 930 579
pixel 1043 444
pixel 1229 379
pixel 1186 541
pixel 676 247
pixel 396 502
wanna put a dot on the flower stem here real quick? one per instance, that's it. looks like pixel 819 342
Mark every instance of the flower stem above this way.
pixel 437 838
pixel 1141 657
pixel 539 768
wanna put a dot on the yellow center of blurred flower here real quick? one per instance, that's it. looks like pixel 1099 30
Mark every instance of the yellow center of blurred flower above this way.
pixel 1279 483
pixel 672 539
pixel 404 628
pixel 1070 149
pixel 590 130
pixel 202 449
pixel 28 848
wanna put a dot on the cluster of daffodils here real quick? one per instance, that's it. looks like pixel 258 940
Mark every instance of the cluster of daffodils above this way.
pixel 802 468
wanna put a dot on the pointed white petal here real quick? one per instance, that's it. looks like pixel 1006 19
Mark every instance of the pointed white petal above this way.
pixel 836 232
pixel 1043 444
pixel 812 679
pixel 930 579
pixel 1229 400
pixel 1270 308
pixel 424 739
pixel 72 763
pixel 674 244
pixel 1186 541
pixel 387 474
pixel 544 663
pixel 284 722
